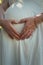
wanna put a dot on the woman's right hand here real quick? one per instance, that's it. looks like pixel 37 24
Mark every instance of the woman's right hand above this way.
pixel 7 25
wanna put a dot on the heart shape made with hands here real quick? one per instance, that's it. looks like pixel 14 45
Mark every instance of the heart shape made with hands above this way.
pixel 30 26
pixel 18 27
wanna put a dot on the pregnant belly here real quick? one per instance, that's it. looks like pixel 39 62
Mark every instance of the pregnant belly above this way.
pixel 18 27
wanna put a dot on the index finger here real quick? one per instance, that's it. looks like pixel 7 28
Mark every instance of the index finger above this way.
pixel 23 20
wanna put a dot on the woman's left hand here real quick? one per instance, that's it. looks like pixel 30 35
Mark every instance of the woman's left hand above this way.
pixel 28 28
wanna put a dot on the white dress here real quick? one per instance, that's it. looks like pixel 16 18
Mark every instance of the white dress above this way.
pixel 23 52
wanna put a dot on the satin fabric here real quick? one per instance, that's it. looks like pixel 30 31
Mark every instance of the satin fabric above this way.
pixel 23 52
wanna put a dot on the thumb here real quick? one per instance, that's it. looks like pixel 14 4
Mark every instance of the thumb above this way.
pixel 13 22
pixel 22 20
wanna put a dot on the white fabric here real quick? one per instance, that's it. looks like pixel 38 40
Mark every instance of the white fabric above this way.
pixel 23 52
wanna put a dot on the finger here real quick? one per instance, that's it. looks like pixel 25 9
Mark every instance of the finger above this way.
pixel 23 35
pixel 12 34
pixel 22 20
pixel 29 34
pixel 13 22
pixel 24 29
pixel 14 30
pixel 15 34
pixel 10 31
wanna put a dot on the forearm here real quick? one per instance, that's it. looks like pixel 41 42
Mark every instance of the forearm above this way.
pixel 3 8
pixel 1 11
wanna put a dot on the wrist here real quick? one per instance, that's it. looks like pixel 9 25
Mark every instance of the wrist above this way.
pixel 41 16
pixel 38 19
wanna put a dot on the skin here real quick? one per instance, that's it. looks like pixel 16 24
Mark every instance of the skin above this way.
pixel 30 24
pixel 5 23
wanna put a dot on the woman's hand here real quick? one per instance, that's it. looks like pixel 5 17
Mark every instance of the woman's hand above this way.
pixel 30 25
pixel 7 25
pixel 28 28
